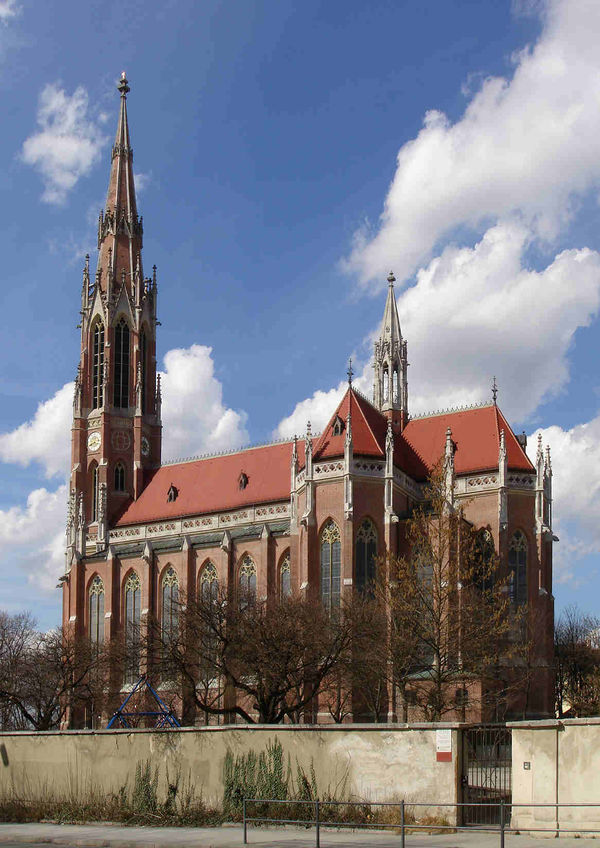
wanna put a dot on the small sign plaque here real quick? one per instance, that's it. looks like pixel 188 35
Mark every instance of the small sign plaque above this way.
pixel 443 745
pixel 526 766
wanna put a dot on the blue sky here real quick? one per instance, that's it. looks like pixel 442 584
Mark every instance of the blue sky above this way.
pixel 287 156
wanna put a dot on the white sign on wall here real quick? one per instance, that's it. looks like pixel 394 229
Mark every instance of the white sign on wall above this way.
pixel 443 745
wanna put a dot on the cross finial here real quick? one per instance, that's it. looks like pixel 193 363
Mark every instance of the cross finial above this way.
pixel 494 391
pixel 391 279
pixel 123 86
pixel 350 372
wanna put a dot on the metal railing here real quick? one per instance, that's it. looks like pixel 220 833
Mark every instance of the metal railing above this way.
pixel 403 826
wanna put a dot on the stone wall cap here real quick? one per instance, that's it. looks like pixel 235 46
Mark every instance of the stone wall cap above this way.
pixel 270 728
pixel 546 723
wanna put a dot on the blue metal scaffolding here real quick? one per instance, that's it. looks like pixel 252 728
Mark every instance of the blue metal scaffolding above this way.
pixel 164 716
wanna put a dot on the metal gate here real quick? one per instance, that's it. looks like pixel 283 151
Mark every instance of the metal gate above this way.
pixel 486 773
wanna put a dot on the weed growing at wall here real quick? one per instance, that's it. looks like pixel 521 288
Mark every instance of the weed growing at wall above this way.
pixel 138 805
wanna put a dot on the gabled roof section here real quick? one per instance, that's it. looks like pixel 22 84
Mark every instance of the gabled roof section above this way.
pixel 476 434
pixel 369 427
pixel 212 484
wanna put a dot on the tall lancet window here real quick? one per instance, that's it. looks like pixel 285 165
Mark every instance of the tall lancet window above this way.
pixel 331 565
pixel 395 385
pixel 285 577
pixel 121 390
pixel 170 605
pixel 143 366
pixel 98 365
pixel 517 569
pixel 96 610
pixel 366 554
pixel 386 384
pixel 247 583
pixel 132 628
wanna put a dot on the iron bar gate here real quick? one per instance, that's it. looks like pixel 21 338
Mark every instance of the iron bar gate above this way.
pixel 486 773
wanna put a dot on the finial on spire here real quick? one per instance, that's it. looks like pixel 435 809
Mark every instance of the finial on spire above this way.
pixel 123 85
pixel 391 279
pixel 494 391
pixel 350 372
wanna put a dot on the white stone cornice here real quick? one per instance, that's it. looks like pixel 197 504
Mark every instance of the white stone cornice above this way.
pixel 216 521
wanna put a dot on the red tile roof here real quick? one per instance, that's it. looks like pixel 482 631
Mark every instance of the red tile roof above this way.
pixel 476 434
pixel 212 484
pixel 368 429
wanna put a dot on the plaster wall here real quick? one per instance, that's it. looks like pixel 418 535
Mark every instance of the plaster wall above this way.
pixel 564 768
pixel 371 763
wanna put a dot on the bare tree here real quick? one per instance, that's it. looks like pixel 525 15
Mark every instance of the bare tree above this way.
pixel 44 676
pixel 577 663
pixel 269 659
pixel 449 609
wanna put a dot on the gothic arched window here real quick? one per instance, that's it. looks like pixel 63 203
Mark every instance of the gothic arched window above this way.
pixel 119 477
pixel 95 493
pixel 247 582
pixel 143 366
pixel 133 594
pixel 98 365
pixel 386 383
pixel 485 561
pixel 331 565
pixel 395 385
pixel 285 577
pixel 96 611
pixel 517 568
pixel 209 583
pixel 366 553
pixel 121 387
pixel 170 604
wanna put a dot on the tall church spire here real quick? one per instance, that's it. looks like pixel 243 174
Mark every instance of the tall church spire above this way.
pixel 119 228
pixel 116 436
pixel 390 387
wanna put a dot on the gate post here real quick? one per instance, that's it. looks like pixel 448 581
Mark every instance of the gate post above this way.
pixel 501 823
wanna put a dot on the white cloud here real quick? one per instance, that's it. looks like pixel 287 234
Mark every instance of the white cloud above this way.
pixel 576 493
pixel 8 9
pixel 45 438
pixel 68 143
pixel 195 419
pixel 526 145
pixel 33 538
pixel 478 312
pixel 142 181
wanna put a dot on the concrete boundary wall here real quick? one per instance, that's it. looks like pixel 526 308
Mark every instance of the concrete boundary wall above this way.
pixel 556 762
pixel 358 762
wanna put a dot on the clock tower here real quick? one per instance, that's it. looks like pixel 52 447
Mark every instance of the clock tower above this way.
pixel 116 434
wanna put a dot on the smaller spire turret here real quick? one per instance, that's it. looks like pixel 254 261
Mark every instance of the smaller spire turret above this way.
pixel 390 388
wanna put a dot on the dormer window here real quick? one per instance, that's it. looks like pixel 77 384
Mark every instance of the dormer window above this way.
pixel 243 481
pixel 338 426
pixel 172 494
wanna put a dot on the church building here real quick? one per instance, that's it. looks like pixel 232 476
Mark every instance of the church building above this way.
pixel 305 515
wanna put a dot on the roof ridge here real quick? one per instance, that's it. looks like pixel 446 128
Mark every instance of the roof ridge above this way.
pixel 452 409
pixel 243 449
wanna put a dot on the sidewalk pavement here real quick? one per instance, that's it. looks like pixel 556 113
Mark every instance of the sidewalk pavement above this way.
pixel 118 836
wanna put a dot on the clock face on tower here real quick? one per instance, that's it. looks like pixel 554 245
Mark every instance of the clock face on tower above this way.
pixel 94 441
pixel 145 446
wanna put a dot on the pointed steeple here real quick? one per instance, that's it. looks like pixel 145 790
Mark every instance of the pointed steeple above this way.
pixel 390 388
pixel 119 228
